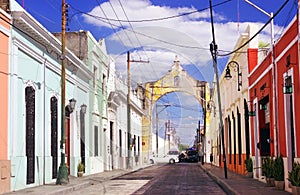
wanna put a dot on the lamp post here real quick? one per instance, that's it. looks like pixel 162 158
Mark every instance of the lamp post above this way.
pixel 62 176
pixel 228 76
pixel 274 71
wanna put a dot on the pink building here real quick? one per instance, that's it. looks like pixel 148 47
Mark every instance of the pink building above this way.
pixel 4 76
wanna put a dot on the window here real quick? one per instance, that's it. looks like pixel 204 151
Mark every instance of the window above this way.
pixel 120 142
pixel 96 77
pixel 54 122
pixel 234 139
pixel 96 137
pixel 82 136
pixel 229 140
pixel 139 149
pixel 176 81
pixel 30 133
pixel 103 84
pixel 239 129
pixel 111 136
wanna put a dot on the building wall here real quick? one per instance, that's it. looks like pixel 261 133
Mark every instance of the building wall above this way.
pixel 4 78
pixel 261 85
pixel 36 65
pixel 93 54
pixel 237 138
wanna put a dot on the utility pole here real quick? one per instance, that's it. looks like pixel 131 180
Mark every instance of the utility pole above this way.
pixel 156 118
pixel 129 139
pixel 167 132
pixel 62 177
pixel 213 50
pixel 274 72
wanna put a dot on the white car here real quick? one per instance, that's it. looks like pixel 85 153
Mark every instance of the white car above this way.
pixel 171 158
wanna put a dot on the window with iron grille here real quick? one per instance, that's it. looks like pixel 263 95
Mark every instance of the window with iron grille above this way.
pixel 96 137
pixel 54 143
pixel 30 133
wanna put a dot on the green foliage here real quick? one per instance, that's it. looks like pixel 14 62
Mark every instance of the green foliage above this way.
pixel 294 175
pixel 183 147
pixel 263 45
pixel 249 164
pixel 80 167
pixel 278 169
pixel 268 167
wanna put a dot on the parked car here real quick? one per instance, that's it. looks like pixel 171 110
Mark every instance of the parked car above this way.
pixel 192 156
pixel 171 157
pixel 182 157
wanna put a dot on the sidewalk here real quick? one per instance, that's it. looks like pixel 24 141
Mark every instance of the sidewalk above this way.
pixel 235 184
pixel 75 183
pixel 238 184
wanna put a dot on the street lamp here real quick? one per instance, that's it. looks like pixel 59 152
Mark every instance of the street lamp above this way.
pixel 70 107
pixel 83 108
pixel 236 67
pixel 62 176
pixel 274 71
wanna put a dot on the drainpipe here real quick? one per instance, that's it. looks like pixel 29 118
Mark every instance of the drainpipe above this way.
pixel 44 120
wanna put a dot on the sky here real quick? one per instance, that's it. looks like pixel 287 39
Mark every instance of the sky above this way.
pixel 159 30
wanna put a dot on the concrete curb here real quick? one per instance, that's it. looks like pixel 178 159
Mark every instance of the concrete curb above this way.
pixel 69 189
pixel 227 188
pixel 86 183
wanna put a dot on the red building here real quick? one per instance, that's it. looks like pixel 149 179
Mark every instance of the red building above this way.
pixel 274 97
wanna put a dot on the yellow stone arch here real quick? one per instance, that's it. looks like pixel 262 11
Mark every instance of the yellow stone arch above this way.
pixel 175 80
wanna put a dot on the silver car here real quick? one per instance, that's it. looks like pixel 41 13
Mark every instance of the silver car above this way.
pixel 171 158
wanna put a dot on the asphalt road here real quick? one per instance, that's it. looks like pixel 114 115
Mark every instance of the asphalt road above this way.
pixel 178 178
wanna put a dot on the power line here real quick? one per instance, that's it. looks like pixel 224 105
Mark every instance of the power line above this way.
pixel 140 44
pixel 153 19
pixel 148 36
pixel 259 31
pixel 108 21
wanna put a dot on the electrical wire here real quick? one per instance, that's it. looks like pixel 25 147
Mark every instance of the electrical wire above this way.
pixel 153 19
pixel 108 21
pixel 140 44
pixel 259 31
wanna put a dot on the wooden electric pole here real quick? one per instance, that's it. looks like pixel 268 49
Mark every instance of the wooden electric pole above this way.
pixel 129 139
pixel 63 174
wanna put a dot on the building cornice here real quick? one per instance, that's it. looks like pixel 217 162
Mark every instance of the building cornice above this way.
pixel 27 24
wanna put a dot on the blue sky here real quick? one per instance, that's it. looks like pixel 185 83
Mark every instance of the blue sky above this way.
pixel 231 18
pixel 159 41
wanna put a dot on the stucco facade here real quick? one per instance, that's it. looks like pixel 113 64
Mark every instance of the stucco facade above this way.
pixel 93 54
pixel 5 35
pixel 121 142
pixel 235 108
pixel 275 128
pixel 35 101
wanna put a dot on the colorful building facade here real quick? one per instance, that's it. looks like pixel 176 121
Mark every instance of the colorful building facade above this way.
pixel 5 35
pixel 235 108
pixel 274 94
pixel 35 101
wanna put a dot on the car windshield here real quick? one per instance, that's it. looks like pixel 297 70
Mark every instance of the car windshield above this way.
pixel 192 152
pixel 173 153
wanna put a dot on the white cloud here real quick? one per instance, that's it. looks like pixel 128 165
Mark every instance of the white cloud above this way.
pixel 188 36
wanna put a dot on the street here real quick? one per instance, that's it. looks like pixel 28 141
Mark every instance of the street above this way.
pixel 178 178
